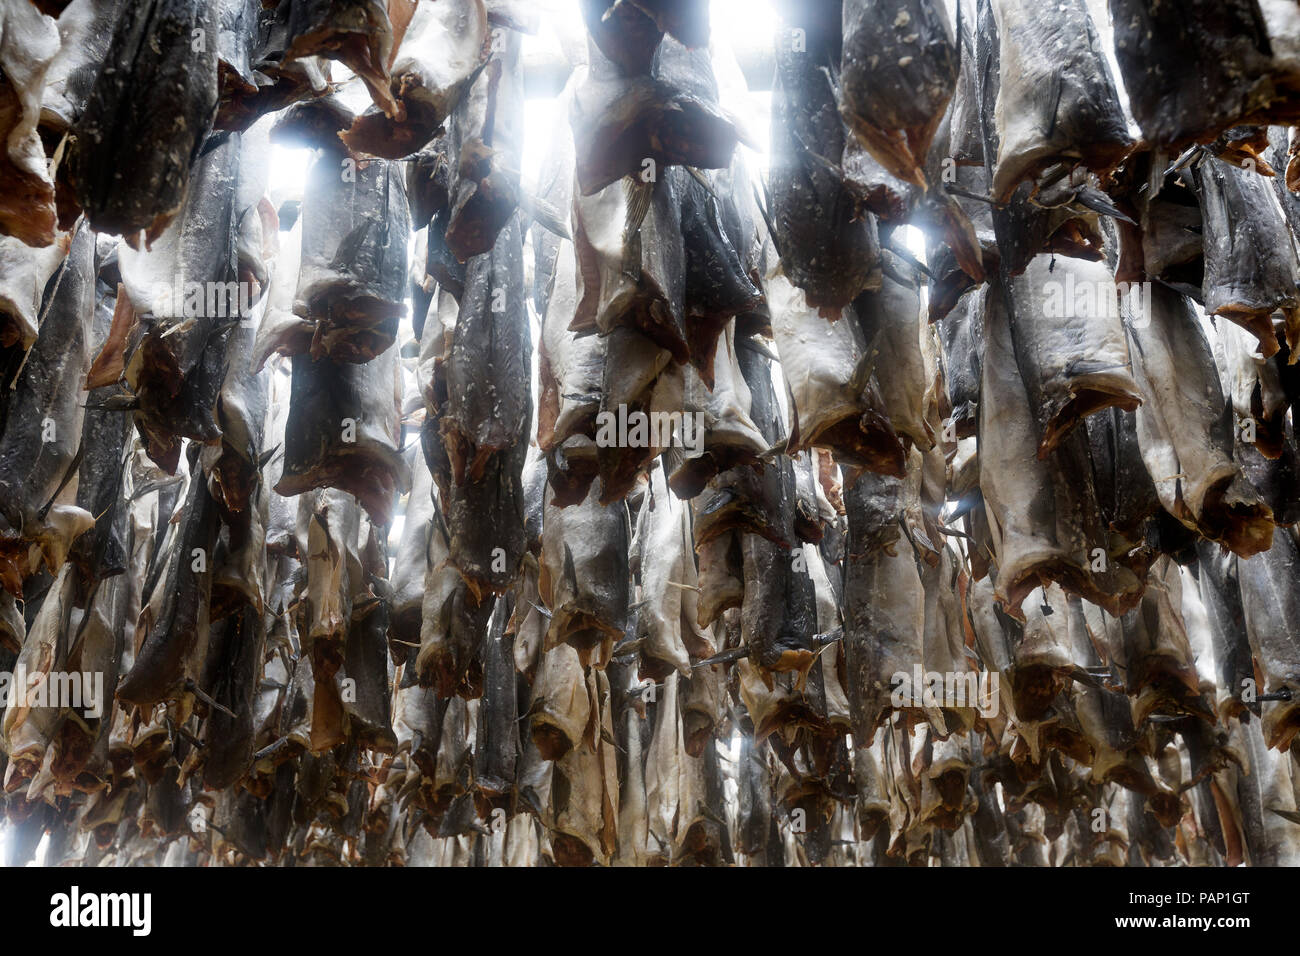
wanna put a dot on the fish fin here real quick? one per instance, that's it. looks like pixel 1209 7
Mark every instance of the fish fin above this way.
pixel 67 477
pixel 967 194
pixel 570 571
pixel 638 196
pixel 862 372
pixel 753 345
pixel 544 214
pixel 703 180
pixel 1092 198
pixel 118 402
pixel 910 259
pixel 767 217
pixel 723 498
pixel 821 161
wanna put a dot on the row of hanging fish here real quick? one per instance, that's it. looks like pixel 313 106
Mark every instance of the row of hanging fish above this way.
pixel 923 492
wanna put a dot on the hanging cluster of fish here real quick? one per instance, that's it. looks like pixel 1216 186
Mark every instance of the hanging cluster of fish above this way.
pixel 699 514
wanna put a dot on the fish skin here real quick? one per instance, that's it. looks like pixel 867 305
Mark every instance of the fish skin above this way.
pixel 585 579
pixel 899 69
pixel 485 135
pixel 440 50
pixel 718 287
pixel 584 797
pixel 633 278
pixel 1126 496
pixel 1274 479
pixel 1053 537
pixel 670 116
pixel 779 610
pixel 1058 101
pixel 1152 45
pixel 237 36
pixel 476 440
pixel 352 277
pixel 827 249
pixel 730 436
pixel 667 617
pixel 357 33
pixel 1269 839
pixel 890 320
pixel 961 333
pixel 1151 653
pixel 884 195
pixel 315 452
pixel 24 272
pixel 131 174
pixel 824 362
pixel 1077 364
pixel 280 81
pixel 496 743
pixel 27 729
pixel 561 709
pixel 747 498
pixel 410 560
pixel 1171 245
pixel 105 438
pixel 551 257
pixel 961 246
pixel 1184 430
pixel 1269 595
pixel 452 626
pixel 240 411
pixel 1283 155
pixel 640 375
pixel 626 35
pixel 174 648
pixel 177 370
pixel 884 603
pixel 487 409
pixel 428 179
pixel 1022 228
pixel 29 48
pixel 571 368
pixel 1251 265
pixel 1220 588
pixel 234 657
pixel 365 661
pixel 40 438
pixel 49 388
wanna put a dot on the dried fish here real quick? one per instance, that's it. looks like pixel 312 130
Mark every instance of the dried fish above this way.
pixel 29 45
pixel 899 70
pixel 829 250
pixel 131 173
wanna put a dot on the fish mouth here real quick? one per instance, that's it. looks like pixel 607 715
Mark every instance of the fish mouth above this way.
pixel 1283 725
pixel 1240 522
pixel 1033 689
pixel 862 440
pixel 396 137
pixel 570 850
pixel 1086 400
